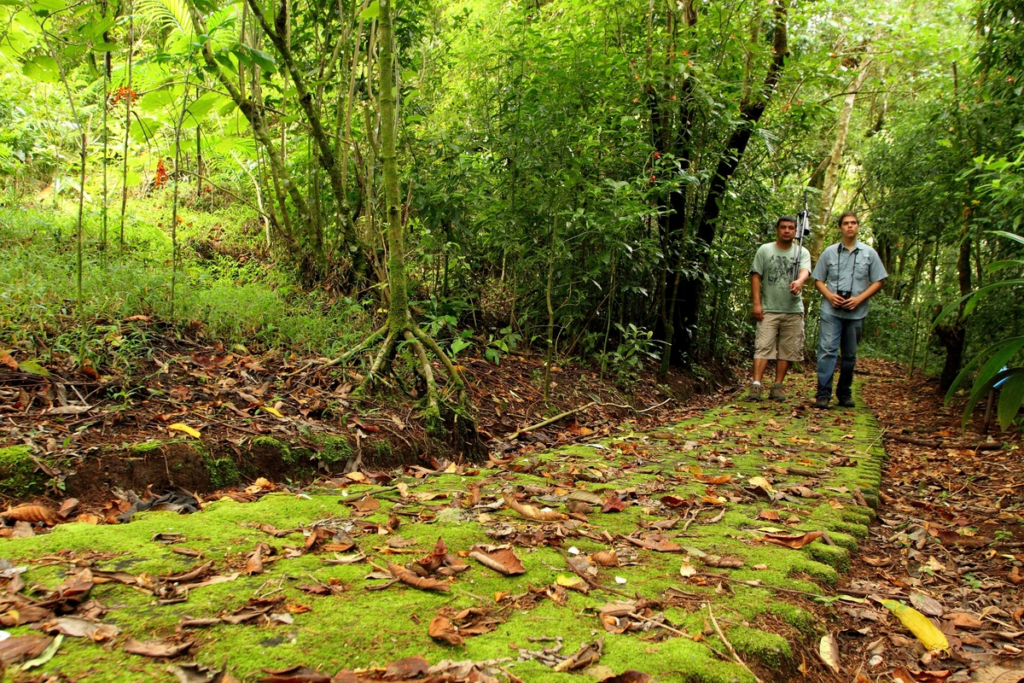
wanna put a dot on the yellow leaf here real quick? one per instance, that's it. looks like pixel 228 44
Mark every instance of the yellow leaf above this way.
pixel 182 427
pixel 568 580
pixel 761 483
pixel 931 637
pixel 273 411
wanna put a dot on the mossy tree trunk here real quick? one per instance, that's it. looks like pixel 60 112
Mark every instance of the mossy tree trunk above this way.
pixel 399 324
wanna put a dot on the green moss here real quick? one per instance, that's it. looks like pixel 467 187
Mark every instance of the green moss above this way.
pixel 795 616
pixel 144 447
pixel 335 450
pixel 833 555
pixel 383 448
pixel 374 628
pixel 769 648
pixel 18 475
pixel 223 472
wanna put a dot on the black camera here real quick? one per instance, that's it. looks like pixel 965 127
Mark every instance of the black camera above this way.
pixel 844 293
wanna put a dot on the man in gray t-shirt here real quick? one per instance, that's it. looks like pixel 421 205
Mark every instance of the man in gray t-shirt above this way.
pixel 778 308
pixel 847 275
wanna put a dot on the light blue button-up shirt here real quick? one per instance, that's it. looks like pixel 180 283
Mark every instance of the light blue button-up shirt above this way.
pixel 848 269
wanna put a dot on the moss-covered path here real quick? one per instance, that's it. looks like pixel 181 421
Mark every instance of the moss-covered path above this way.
pixel 703 496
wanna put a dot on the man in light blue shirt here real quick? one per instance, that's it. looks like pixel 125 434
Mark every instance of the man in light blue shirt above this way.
pixel 847 275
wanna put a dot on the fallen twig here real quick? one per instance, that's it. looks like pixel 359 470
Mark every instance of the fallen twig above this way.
pixel 732 650
pixel 550 420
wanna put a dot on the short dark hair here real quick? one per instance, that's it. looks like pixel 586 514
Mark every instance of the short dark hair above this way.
pixel 784 219
pixel 839 223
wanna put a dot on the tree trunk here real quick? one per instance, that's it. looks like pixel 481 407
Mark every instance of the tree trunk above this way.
pixel 255 118
pixel 952 335
pixel 834 161
pixel 327 157
pixel 687 309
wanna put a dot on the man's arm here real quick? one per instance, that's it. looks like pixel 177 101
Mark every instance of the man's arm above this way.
pixel 833 298
pixel 854 302
pixel 796 285
pixel 755 294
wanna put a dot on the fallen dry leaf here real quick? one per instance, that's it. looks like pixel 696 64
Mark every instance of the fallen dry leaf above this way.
pixel 156 648
pixel 795 542
pixel 531 512
pixel 828 650
pixel 501 559
pixel 410 578
pixel 441 628
pixel 31 513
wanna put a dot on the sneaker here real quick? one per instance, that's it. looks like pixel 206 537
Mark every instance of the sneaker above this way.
pixel 821 403
pixel 847 402
pixel 755 392
pixel 777 393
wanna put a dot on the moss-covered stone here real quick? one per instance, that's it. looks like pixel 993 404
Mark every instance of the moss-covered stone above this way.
pixel 370 628
pixel 19 474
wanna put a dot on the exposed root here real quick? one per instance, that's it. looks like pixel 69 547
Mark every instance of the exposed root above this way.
pixel 441 419
pixel 345 357
pixel 453 372
pixel 432 414
pixel 385 351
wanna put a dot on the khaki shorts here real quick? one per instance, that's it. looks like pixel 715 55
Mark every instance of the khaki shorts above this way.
pixel 780 336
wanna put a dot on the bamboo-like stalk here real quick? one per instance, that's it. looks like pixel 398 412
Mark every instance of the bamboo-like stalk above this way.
pixel 174 203
pixel 127 121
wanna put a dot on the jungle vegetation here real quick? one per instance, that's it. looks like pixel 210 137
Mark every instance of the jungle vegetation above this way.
pixel 587 177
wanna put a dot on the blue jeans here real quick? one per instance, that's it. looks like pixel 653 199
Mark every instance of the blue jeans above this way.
pixel 837 334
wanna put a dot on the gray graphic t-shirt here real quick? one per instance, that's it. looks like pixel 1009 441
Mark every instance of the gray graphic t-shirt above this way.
pixel 775 266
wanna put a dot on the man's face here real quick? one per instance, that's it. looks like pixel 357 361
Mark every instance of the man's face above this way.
pixel 849 227
pixel 785 232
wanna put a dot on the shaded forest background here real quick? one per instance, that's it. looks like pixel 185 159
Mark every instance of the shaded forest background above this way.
pixel 586 178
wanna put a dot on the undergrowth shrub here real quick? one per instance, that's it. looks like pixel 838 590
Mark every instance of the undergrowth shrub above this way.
pixel 233 300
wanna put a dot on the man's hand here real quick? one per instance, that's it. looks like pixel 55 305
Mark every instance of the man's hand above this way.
pixel 836 300
pixel 796 285
pixel 758 312
pixel 852 303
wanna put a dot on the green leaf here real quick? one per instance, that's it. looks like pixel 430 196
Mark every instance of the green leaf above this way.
pixel 371 12
pixel 33 368
pixel 1011 394
pixel 48 5
pixel 1002 265
pixel 458 344
pixel 998 354
pixel 1008 235
pixel 201 107
pixel 43 69
pixel 104 47
pixel 156 100
pixel 263 60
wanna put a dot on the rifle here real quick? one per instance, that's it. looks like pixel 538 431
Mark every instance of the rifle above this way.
pixel 802 228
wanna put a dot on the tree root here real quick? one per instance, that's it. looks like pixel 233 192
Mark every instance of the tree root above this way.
pixel 462 427
pixel 449 367
pixel 432 414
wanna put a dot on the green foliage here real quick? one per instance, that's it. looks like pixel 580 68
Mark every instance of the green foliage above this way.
pixel 229 298
pixel 1000 365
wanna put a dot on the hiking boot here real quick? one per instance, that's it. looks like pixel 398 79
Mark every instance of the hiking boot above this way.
pixel 777 393
pixel 821 403
pixel 755 392
pixel 847 402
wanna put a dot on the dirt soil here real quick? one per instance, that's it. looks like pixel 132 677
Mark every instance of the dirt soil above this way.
pixel 89 428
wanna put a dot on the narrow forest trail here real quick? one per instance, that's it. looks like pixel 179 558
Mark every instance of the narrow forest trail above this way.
pixel 653 542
